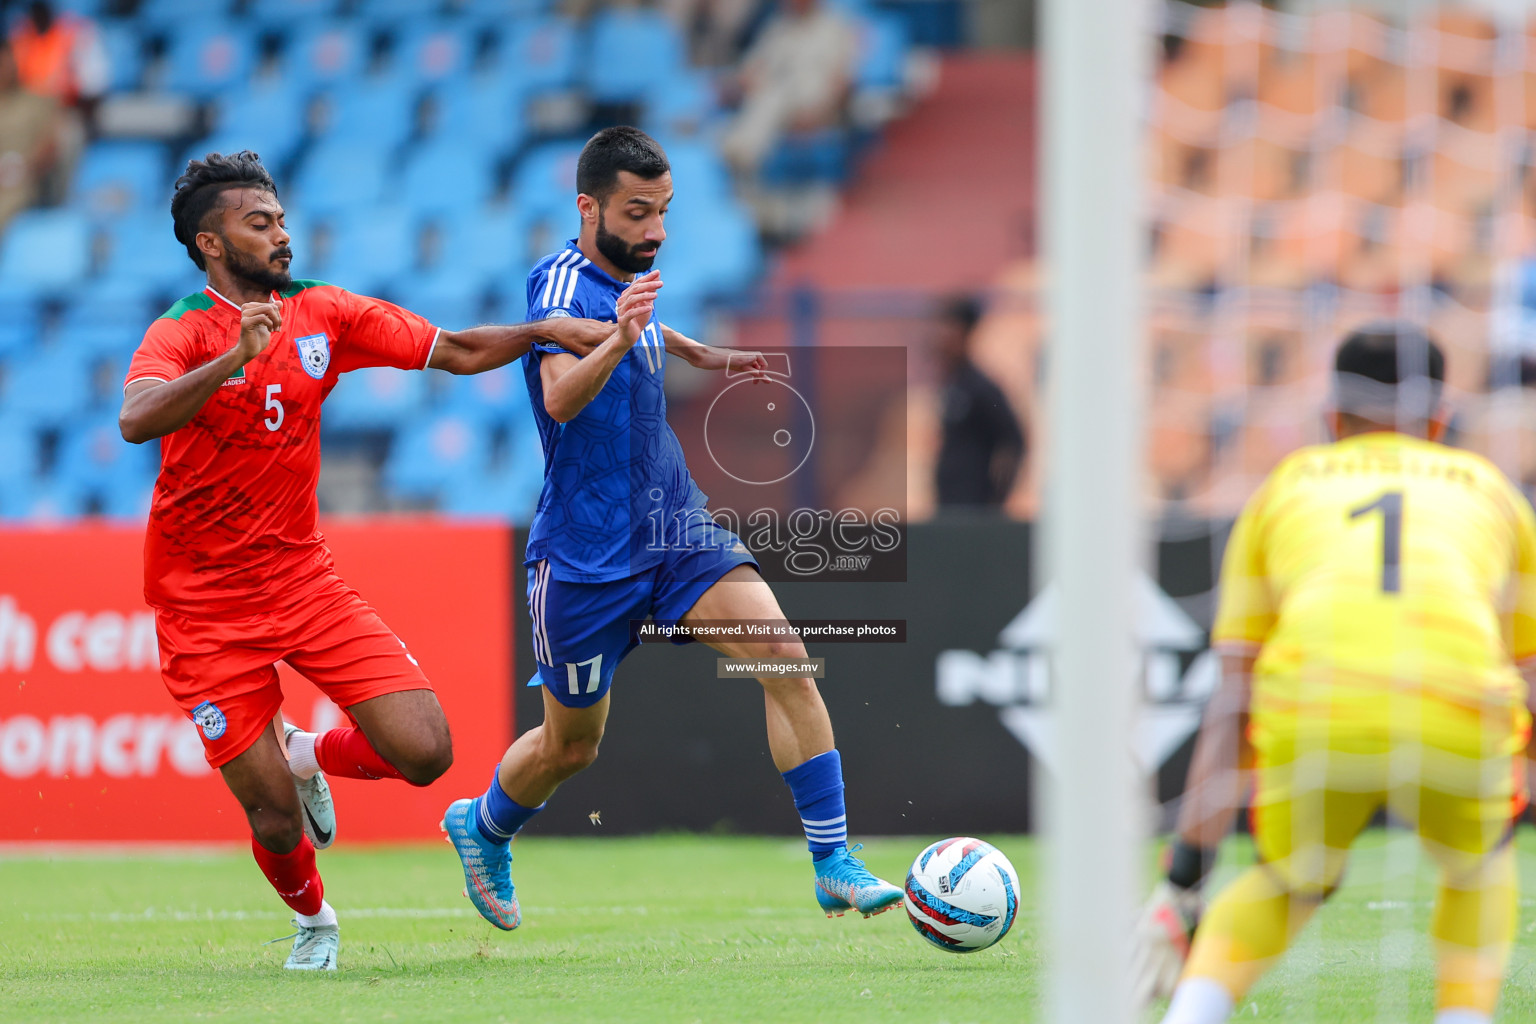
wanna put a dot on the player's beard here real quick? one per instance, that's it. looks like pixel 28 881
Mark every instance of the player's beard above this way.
pixel 269 276
pixel 632 259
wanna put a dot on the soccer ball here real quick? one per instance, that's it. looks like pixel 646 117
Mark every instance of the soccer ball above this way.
pixel 962 895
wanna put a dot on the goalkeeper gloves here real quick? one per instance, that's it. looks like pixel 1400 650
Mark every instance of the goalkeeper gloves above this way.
pixel 1167 924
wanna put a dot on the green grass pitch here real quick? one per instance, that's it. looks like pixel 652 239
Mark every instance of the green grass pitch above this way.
pixel 666 928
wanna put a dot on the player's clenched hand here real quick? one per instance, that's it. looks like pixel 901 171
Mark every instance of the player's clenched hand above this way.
pixel 258 322
pixel 1162 939
pixel 635 306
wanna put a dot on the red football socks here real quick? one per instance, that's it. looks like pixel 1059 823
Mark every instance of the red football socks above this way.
pixel 347 754
pixel 293 875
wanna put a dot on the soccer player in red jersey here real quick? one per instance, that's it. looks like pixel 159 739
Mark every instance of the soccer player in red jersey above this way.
pixel 232 379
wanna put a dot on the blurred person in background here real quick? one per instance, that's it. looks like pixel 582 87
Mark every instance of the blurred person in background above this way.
pixel 794 77
pixel 716 29
pixel 29 139
pixel 982 445
pixel 60 56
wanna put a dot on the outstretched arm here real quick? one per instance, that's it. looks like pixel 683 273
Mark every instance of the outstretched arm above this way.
pixel 153 408
pixel 570 383
pixel 711 357
pixel 478 349
pixel 1213 792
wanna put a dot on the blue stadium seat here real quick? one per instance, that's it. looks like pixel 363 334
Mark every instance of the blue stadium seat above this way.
pixel 487 108
pixel 128 500
pixel 447 175
pixel 683 101
pixel 434 51
pixel 497 397
pixel 543 52
pixel 19 451
pixel 545 180
pixel 375 399
pixel 141 253
pixel 170 12
pixel 501 11
pixel 509 491
pixel 45 250
pixel 821 156
pixel 125 54
pixel 883 48
pixel 290 12
pixel 341 175
pixel 372 248
pixel 718 241
pixel 207 56
pixel 41 502
pixel 449 297
pixel 106 341
pixel 93 457
pixel 49 386
pixel 373 111
pixel 120 177
pixel 264 116
pixel 429 454
pixel 319 54
pixel 630 51
pixel 490 243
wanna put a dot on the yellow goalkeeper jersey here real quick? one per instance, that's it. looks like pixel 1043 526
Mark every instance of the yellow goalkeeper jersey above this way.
pixel 1386 583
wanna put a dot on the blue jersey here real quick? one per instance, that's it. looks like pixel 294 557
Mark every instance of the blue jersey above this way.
pixel 614 475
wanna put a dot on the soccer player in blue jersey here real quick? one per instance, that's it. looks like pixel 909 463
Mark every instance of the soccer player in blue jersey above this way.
pixel 613 471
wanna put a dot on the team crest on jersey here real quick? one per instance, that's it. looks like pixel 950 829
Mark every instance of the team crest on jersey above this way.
pixel 210 719
pixel 315 354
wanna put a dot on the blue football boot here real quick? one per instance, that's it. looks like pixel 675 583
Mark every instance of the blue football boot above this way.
pixel 843 884
pixel 487 867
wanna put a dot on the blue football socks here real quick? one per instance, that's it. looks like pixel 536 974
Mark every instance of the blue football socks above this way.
pixel 497 815
pixel 817 786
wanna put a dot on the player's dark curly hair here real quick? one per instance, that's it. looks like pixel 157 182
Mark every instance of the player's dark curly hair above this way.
pixel 198 191
pixel 1384 359
pixel 620 148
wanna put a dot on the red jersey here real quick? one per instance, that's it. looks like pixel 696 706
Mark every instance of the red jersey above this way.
pixel 233 523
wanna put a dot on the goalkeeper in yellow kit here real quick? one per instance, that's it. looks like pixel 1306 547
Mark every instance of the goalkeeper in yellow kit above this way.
pixel 1377 606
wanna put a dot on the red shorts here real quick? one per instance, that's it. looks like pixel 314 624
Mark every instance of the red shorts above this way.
pixel 221 670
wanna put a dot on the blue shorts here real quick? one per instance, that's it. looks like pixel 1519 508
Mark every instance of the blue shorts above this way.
pixel 581 631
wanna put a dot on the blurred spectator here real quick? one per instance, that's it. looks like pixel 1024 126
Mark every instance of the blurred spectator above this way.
pixel 716 29
pixel 61 56
pixel 795 77
pixel 29 139
pixel 983 445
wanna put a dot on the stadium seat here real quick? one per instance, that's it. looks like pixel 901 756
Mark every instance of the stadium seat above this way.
pixel 125 55
pixel 265 116
pixel 290 12
pixel 325 53
pixel 372 248
pixel 45 250
pixel 427 455
pixel 542 52
pixel 615 72
pixel 170 12
pixel 19 448
pixel 207 56
pixel 142 252
pixel 49 386
pixel 117 178
pixel 486 108
pixel 545 181
pixel 433 51
pixel 509 491
pixel 93 457
pixel 496 398
pixel 450 297
pixel 373 112
pixel 883 47
pixel 341 175
pixel 447 175
pixel 40 503
pixel 490 243
pixel 374 399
